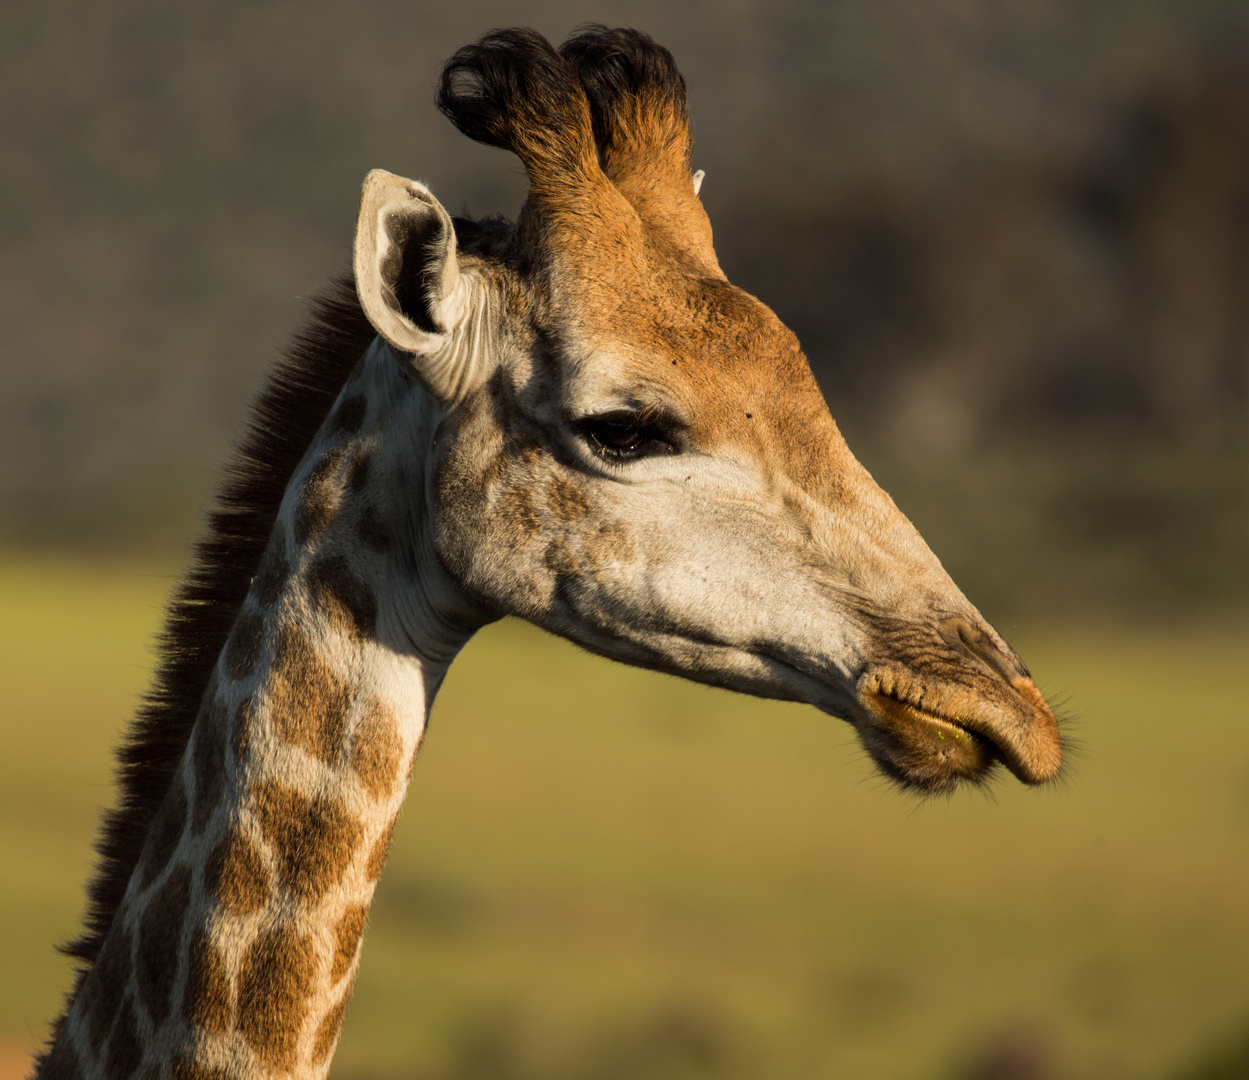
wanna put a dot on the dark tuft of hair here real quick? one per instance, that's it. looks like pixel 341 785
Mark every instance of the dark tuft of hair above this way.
pixel 284 419
pixel 512 89
pixel 615 65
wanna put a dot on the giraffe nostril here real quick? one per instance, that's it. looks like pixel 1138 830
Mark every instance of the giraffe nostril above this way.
pixel 967 638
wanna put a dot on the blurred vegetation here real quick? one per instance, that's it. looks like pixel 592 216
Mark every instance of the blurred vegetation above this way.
pixel 1014 239
pixel 604 873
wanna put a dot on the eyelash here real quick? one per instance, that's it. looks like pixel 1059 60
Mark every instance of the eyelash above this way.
pixel 627 436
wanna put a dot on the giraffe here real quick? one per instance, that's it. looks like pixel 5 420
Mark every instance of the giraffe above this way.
pixel 575 419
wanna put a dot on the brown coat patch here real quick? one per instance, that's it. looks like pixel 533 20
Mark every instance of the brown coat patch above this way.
pixel 107 983
pixel 182 1069
pixel 307 700
pixel 208 1000
pixel 290 410
pixel 346 601
pixel 373 531
pixel 166 832
pixel 609 543
pixel 313 840
pixel 125 1053
pixel 331 1024
pixel 235 874
pixel 275 979
pixel 358 477
pixel 566 500
pixel 516 511
pixel 376 748
pixel 273 572
pixel 241 729
pixel 318 501
pixel 559 559
pixel 348 415
pixel 242 650
pixel 160 934
pixel 378 853
pixel 209 756
pixel 347 936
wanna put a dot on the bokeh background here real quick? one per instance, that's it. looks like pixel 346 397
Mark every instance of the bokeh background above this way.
pixel 1014 239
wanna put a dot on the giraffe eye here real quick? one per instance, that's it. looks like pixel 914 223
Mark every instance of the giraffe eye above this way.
pixel 625 436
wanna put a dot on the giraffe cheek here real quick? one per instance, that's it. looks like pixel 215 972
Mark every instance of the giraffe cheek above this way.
pixel 608 547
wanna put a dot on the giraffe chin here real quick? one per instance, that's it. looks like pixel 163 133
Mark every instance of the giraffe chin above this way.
pixel 934 754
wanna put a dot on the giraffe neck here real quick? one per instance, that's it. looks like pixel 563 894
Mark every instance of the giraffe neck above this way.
pixel 235 949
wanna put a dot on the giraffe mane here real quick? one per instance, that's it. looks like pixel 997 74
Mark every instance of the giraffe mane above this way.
pixel 284 418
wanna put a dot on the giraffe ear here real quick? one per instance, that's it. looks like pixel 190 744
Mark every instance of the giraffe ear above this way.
pixel 410 286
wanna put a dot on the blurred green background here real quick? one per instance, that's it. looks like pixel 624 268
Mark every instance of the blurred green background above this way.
pixel 1014 239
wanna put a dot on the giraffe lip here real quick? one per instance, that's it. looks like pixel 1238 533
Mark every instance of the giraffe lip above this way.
pixel 950 725
pixel 936 750
pixel 924 749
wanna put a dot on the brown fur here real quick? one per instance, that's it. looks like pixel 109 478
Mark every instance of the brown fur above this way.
pixel 515 509
pixel 372 531
pixel 275 979
pixel 358 477
pixel 190 1070
pixel 110 979
pixel 308 701
pixel 243 647
pixel 209 759
pixel 331 1024
pixel 319 499
pixel 534 107
pixel 235 874
pixel 611 542
pixel 160 935
pixel 241 728
pixel 512 89
pixel 378 853
pixel 347 602
pixel 375 750
pixel 124 1050
pixel 566 500
pixel 166 832
pixel 208 1000
pixel 273 572
pixel 559 559
pixel 349 416
pixel 347 936
pixel 641 125
pixel 314 838
pixel 287 415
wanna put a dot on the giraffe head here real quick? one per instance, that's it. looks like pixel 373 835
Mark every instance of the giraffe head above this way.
pixel 632 453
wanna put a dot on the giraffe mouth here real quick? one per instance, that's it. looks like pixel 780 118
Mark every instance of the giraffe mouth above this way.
pixel 923 749
pixel 937 750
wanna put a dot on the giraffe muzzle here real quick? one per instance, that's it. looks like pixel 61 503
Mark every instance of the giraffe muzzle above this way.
pixel 949 736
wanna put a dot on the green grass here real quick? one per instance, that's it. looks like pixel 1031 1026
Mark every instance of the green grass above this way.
pixel 604 873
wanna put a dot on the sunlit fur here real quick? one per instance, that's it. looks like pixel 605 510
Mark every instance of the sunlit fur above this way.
pixel 424 463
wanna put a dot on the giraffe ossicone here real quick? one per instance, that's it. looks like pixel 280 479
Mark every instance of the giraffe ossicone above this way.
pixel 575 419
